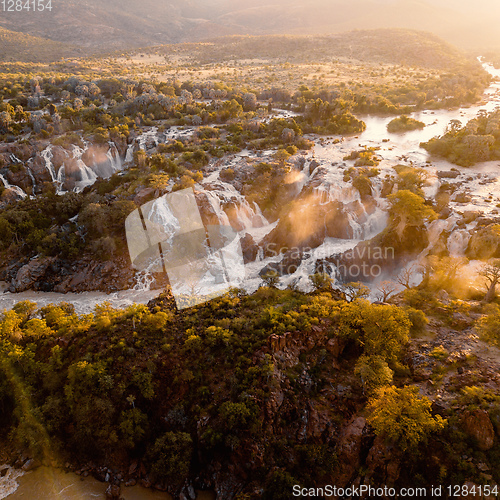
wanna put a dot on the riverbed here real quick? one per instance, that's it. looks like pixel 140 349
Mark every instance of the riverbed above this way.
pixel 49 483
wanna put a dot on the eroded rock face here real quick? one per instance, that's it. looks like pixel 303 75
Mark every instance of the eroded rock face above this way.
pixel 349 450
pixel 384 460
pixel 249 248
pixel 30 273
pixel 478 425
pixel 307 226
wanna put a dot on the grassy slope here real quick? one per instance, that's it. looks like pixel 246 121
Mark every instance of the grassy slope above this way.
pixel 26 48
pixel 393 46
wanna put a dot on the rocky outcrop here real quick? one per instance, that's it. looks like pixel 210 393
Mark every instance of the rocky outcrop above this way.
pixel 349 451
pixel 384 253
pixel 384 461
pixel 93 275
pixel 62 276
pixel 307 225
pixel 478 425
pixel 249 248
pixel 30 273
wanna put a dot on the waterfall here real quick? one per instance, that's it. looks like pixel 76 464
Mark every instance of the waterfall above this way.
pixel 16 189
pixel 357 229
pixel 224 195
pixel 328 193
pixel 376 223
pixel 129 156
pixel 61 175
pixel 114 157
pixel 214 200
pixel 47 155
pixel 30 173
pixel 8 480
pixel 161 214
pixel 458 242
pixel 143 280
pixel 437 227
pixel 87 175
pixel 14 158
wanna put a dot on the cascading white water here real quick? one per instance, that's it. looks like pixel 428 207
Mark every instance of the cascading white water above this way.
pixel 47 155
pixel 161 214
pixel 114 157
pixel 129 155
pixel 16 189
pixel 457 242
pixel 148 136
pixel 61 175
pixel 87 175
pixel 215 202
pixel 223 194
pixel 436 228
pixel 30 173
pixel 328 193
pixel 8 480
pixel 144 279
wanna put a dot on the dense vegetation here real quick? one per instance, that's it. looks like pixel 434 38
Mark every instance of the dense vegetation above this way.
pixel 404 124
pixel 477 141
pixel 16 46
pixel 182 390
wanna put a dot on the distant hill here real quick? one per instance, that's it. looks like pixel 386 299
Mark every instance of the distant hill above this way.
pixel 96 25
pixel 26 48
pixel 394 46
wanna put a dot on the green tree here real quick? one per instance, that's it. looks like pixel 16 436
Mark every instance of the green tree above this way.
pixel 321 281
pixel 170 456
pixel 373 371
pixel 402 416
pixel 409 209
pixel 271 279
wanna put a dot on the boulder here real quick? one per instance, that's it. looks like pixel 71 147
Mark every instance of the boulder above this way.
pixel 312 166
pixel 448 174
pixel 144 195
pixel 249 248
pixel 478 425
pixel 335 346
pixel 30 273
pixel 113 492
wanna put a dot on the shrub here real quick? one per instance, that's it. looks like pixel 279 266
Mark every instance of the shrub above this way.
pixel 402 416
pixel 170 456
pixel 373 371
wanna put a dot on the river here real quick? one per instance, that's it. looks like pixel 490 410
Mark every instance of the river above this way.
pixel 393 149
pixel 47 483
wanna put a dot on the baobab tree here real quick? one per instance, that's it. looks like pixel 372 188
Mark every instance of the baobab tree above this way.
pixel 492 274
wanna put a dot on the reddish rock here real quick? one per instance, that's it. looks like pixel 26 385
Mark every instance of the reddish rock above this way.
pixel 349 451
pixel 30 273
pixel 478 425
pixel 384 460
pixel 335 346
pixel 113 492
pixel 144 195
